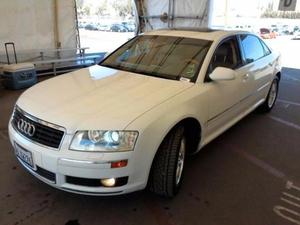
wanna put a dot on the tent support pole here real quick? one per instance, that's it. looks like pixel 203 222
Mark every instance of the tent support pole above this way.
pixel 210 12
pixel 56 31
pixel 77 27
pixel 226 13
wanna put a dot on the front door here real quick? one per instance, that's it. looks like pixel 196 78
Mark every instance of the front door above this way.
pixel 225 96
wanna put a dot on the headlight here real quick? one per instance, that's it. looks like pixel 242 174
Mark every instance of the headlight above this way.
pixel 103 141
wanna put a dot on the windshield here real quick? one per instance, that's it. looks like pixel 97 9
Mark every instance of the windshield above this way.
pixel 161 56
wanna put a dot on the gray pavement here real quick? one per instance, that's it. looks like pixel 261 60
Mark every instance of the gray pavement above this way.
pixel 248 176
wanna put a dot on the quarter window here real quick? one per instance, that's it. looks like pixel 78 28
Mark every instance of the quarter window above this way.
pixel 253 48
pixel 266 48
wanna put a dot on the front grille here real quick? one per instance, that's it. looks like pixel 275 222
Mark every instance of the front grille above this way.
pixel 44 135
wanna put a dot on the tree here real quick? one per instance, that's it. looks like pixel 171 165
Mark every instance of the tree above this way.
pixel 79 4
pixel 281 14
pixel 123 8
pixel 86 11
pixel 101 9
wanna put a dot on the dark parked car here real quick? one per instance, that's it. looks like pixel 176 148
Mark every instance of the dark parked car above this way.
pixel 118 28
pixel 91 27
pixel 266 33
pixel 130 26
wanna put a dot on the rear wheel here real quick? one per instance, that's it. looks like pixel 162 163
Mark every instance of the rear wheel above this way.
pixel 168 165
pixel 271 98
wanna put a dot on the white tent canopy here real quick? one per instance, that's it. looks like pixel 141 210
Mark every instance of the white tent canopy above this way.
pixel 48 24
pixel 36 24
pixel 159 14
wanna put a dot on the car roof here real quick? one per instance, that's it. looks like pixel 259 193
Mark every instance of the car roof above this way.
pixel 205 34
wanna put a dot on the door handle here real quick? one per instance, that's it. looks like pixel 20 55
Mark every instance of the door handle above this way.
pixel 246 77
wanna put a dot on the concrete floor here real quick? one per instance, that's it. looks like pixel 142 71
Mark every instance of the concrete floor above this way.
pixel 246 176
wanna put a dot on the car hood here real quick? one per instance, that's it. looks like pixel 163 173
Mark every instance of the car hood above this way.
pixel 97 98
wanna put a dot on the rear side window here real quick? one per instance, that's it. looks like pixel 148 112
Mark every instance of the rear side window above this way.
pixel 253 48
pixel 266 48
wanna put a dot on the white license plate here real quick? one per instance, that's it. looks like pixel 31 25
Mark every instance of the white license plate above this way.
pixel 24 155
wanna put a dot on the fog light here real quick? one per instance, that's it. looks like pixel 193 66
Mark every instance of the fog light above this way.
pixel 109 182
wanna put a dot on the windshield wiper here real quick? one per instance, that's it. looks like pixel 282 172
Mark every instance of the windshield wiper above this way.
pixel 151 74
pixel 159 75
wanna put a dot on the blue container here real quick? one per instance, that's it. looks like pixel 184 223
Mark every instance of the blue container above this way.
pixel 19 76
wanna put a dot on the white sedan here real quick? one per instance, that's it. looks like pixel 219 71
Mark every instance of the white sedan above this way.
pixel 129 122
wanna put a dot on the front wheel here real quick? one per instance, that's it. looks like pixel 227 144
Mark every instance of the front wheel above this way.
pixel 168 165
pixel 272 96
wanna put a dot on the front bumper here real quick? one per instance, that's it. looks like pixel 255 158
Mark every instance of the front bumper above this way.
pixel 56 167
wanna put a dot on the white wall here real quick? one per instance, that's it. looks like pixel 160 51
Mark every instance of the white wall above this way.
pixel 30 24
pixel 66 23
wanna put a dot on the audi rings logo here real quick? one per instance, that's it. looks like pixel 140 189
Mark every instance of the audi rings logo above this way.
pixel 26 127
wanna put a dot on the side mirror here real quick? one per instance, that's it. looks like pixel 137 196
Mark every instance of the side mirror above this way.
pixel 222 74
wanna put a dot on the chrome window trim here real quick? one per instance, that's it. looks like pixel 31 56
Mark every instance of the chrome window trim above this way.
pixel 51 125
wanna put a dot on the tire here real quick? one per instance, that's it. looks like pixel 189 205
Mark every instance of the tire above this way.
pixel 167 169
pixel 268 105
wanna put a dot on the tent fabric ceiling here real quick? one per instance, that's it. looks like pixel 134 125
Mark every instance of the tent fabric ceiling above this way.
pixel 160 14
pixel 32 25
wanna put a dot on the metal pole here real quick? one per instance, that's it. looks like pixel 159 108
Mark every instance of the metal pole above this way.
pixel 137 17
pixel 77 27
pixel 226 13
pixel 56 31
pixel 171 13
pixel 210 12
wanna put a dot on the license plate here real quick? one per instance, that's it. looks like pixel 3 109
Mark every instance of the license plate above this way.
pixel 24 155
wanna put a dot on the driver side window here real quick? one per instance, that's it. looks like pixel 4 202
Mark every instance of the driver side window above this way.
pixel 227 55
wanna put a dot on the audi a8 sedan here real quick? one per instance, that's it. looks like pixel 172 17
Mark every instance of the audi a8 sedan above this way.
pixel 129 122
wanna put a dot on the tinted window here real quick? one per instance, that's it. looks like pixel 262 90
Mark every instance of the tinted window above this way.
pixel 227 55
pixel 253 48
pixel 160 56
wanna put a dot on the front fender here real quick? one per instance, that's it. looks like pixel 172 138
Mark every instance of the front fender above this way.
pixel 154 125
